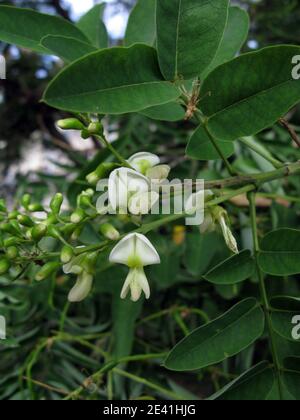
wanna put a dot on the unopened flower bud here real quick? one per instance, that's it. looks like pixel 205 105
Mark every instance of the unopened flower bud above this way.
pixel 12 252
pixel 95 128
pixel 110 232
pixel 101 172
pixel 12 227
pixel 36 207
pixel 13 215
pixel 25 201
pixel 67 254
pixel 47 270
pixel 70 124
pixel 38 232
pixel 25 220
pixel 76 234
pixel 89 262
pixel 208 224
pixel 220 215
pixel 81 289
pixel 4 266
pixel 78 216
pixel 56 203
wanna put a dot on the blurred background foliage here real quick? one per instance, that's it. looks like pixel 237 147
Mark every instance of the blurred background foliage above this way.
pixel 54 347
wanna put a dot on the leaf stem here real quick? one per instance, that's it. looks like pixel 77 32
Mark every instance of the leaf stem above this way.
pixel 261 152
pixel 107 144
pixel 263 291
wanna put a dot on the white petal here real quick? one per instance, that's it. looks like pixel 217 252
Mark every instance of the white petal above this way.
pixel 142 203
pixel 81 289
pixel 136 160
pixel 143 281
pixel 126 287
pixel 158 173
pixel 133 246
pixel 197 200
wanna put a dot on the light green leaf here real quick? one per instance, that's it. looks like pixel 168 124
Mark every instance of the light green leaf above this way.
pixel 253 385
pixel 168 112
pixel 189 33
pixel 200 146
pixel 141 24
pixel 235 36
pixel 26 28
pixel 91 24
pixel 69 49
pixel 107 82
pixel 280 253
pixel 234 270
pixel 225 337
pixel 250 93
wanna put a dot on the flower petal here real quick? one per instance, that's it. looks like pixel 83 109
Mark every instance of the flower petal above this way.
pixel 142 203
pixel 81 289
pixel 138 161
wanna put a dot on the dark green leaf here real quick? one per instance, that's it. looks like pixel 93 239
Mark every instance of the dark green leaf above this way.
pixel 168 112
pixel 200 147
pixel 286 310
pixel 26 28
pixel 280 253
pixel 69 49
pixel 189 33
pixel 141 24
pixel 254 385
pixel 227 336
pixel 237 94
pixel 235 36
pixel 92 26
pixel 108 82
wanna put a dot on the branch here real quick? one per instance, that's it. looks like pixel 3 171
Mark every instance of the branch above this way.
pixel 291 131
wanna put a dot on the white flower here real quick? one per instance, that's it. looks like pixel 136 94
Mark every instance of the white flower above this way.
pixel 159 173
pixel 142 203
pixel 197 200
pixel 123 184
pixel 228 236
pixel 143 161
pixel 136 252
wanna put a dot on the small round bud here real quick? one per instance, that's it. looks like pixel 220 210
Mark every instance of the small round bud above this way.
pixel 4 266
pixel 95 128
pixel 25 220
pixel 47 270
pixel 56 203
pixel 38 232
pixel 67 254
pixel 78 216
pixel 70 124
pixel 109 231
pixel 12 252
pixel 34 208
pixel 26 200
pixel 89 262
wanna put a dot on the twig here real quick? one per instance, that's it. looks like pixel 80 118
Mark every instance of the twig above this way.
pixel 291 131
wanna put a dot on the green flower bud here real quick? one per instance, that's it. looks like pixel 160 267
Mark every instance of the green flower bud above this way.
pixel 47 270
pixel 84 201
pixel 67 254
pixel 12 252
pixel 53 232
pixel 25 220
pixel 56 203
pixel 70 124
pixel 101 172
pixel 12 227
pixel 38 232
pixel 25 201
pixel 78 216
pixel 89 262
pixel 68 229
pixel 109 231
pixel 95 128
pixel 51 220
pixel 13 215
pixel 34 208
pixel 4 266
pixel 76 234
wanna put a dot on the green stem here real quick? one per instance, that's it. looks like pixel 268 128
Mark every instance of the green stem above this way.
pixel 120 158
pixel 263 292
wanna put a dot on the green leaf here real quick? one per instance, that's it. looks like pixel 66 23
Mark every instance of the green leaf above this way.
pixel 69 49
pixel 253 385
pixel 200 146
pixel 92 26
pixel 291 377
pixel 234 270
pixel 280 253
pixel 189 33
pixel 285 309
pixel 141 24
pixel 235 36
pixel 237 94
pixel 169 112
pixel 227 336
pixel 200 250
pixel 26 28
pixel 111 82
